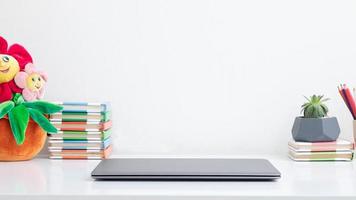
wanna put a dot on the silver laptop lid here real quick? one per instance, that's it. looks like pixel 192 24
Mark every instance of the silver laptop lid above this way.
pixel 185 168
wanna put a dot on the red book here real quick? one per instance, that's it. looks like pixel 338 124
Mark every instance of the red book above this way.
pixel 82 126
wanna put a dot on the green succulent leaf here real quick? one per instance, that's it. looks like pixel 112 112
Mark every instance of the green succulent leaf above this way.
pixel 19 117
pixel 325 108
pixel 307 98
pixel 5 107
pixel 315 107
pixel 43 107
pixel 38 117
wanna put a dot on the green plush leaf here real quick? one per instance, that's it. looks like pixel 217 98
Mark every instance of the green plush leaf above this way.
pixel 19 117
pixel 43 107
pixel 38 117
pixel 18 99
pixel 5 107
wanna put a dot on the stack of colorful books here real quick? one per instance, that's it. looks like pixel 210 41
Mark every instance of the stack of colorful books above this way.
pixel 339 150
pixel 84 131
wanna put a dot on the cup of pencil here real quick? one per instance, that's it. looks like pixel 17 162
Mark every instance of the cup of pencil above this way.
pixel 349 100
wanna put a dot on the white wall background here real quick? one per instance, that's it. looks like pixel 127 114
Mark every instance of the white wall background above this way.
pixel 192 77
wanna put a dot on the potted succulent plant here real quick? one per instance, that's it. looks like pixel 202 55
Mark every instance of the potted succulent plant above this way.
pixel 315 125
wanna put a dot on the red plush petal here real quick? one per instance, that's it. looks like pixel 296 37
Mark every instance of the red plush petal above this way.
pixel 3 45
pixel 20 54
pixel 14 88
pixel 5 92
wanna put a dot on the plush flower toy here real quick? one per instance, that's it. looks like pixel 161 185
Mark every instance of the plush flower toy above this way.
pixel 23 117
pixel 12 60
pixel 32 82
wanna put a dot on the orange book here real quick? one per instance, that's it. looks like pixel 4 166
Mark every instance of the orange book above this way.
pixel 81 154
pixel 82 126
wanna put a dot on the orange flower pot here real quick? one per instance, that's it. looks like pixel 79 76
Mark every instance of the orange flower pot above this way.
pixel 34 142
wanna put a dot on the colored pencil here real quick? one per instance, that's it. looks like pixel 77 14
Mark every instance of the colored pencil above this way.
pixel 351 101
pixel 348 98
pixel 342 94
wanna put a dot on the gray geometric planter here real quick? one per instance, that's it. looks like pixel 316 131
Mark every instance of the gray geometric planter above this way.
pixel 315 129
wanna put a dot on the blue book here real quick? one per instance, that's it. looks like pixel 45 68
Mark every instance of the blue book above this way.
pixel 78 144
pixel 84 107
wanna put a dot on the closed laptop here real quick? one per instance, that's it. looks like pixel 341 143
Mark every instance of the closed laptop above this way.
pixel 185 169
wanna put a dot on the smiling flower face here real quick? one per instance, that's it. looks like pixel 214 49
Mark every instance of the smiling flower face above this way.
pixel 35 82
pixel 32 82
pixel 9 67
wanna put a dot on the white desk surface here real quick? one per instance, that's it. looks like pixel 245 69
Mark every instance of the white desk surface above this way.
pixel 42 178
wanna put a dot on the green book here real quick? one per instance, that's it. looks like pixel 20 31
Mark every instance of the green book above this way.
pixel 80 135
pixel 80 117
pixel 321 156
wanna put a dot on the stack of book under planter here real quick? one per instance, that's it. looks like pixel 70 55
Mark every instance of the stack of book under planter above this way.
pixel 339 150
pixel 83 131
